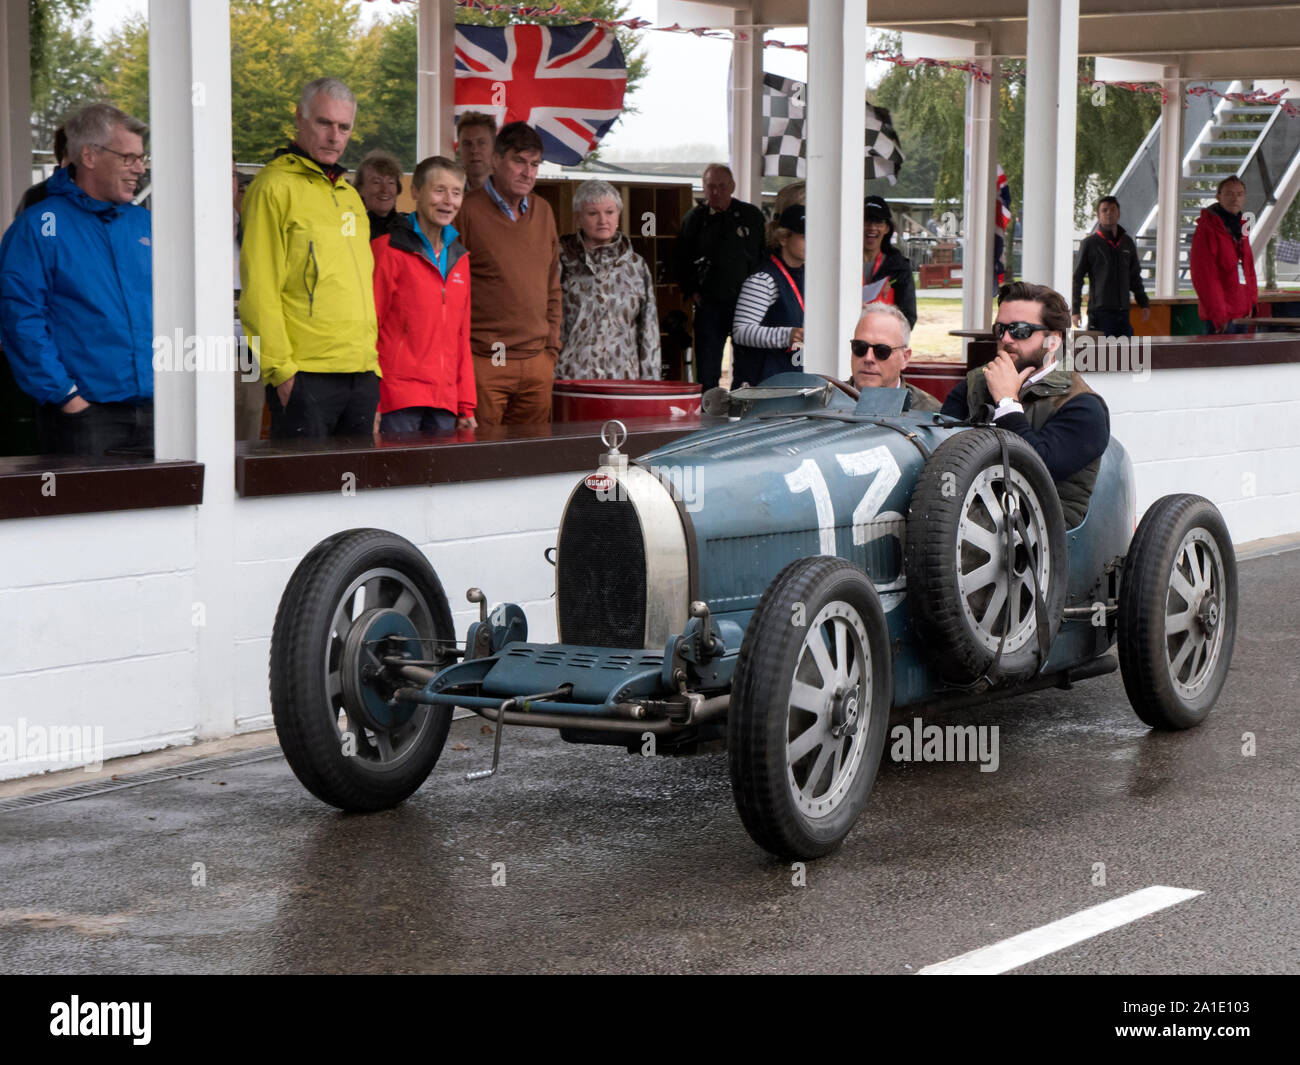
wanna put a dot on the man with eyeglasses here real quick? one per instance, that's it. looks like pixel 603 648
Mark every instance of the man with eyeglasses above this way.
pixel 1052 409
pixel 76 293
pixel 880 353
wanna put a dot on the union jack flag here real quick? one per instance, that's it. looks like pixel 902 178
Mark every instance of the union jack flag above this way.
pixel 566 82
pixel 1003 218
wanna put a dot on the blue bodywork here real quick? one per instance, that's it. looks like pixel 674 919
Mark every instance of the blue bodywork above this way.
pixel 795 477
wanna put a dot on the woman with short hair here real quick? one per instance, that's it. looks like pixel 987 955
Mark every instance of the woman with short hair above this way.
pixel 609 326
pixel 379 181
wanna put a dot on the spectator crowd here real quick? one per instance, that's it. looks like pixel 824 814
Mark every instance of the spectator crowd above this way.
pixel 363 319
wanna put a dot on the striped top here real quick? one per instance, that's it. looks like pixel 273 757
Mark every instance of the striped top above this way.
pixel 757 294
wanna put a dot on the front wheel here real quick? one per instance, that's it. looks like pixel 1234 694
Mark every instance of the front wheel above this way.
pixel 1177 612
pixel 809 707
pixel 355 598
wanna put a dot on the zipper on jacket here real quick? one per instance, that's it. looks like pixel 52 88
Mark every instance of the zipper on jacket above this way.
pixel 310 286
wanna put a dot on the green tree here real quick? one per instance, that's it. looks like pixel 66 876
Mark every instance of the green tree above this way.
pixel 126 59
pixel 928 108
pixel 70 73
pixel 44 20
pixel 276 47
pixel 928 105
pixel 391 91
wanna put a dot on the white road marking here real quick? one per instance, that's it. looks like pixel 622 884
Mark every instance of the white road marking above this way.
pixel 1028 946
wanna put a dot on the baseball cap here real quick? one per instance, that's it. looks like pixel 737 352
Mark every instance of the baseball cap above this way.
pixel 876 207
pixel 792 218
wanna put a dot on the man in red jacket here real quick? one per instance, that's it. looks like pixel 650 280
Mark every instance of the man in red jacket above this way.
pixel 1223 269
pixel 422 303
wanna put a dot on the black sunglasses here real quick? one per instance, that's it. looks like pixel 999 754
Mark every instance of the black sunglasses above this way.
pixel 881 351
pixel 1018 330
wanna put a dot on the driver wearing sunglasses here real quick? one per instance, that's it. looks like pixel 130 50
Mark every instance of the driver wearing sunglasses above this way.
pixel 1035 397
pixel 879 351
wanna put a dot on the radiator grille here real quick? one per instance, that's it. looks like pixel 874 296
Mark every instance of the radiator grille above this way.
pixel 601 578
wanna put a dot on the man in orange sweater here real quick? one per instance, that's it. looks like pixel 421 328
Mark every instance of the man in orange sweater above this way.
pixel 515 284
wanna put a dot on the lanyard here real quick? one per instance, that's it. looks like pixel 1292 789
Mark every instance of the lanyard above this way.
pixel 781 266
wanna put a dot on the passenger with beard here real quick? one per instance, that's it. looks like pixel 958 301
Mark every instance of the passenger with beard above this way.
pixel 1052 409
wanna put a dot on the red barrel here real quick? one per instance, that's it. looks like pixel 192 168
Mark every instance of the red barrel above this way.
pixel 600 400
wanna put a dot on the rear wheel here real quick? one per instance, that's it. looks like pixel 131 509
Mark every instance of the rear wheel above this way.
pixel 1177 612
pixel 809 708
pixel 356 597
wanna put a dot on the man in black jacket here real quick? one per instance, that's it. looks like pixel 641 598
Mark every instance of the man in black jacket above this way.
pixel 1108 258
pixel 720 244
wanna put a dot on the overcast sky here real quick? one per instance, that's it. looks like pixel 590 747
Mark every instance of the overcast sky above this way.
pixel 682 101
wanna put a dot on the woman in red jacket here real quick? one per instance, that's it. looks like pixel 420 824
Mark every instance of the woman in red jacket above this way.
pixel 422 303
pixel 1223 269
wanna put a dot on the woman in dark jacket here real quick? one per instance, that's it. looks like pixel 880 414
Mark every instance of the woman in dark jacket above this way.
pixel 767 334
pixel 886 273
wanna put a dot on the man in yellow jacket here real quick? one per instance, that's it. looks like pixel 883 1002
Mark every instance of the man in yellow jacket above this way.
pixel 308 302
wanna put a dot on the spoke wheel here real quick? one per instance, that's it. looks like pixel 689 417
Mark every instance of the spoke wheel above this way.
pixel 830 698
pixel 955 556
pixel 1177 612
pixel 989 607
pixel 809 707
pixel 355 598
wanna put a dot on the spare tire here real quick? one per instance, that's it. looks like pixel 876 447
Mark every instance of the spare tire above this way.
pixel 955 557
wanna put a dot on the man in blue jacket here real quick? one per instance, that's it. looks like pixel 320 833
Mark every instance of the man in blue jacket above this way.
pixel 76 293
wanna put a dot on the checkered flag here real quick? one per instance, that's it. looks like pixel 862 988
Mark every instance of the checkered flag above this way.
pixel 785 136
pixel 1288 251
pixel 784 140
pixel 884 156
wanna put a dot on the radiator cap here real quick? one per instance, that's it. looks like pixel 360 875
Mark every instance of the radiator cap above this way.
pixel 613 433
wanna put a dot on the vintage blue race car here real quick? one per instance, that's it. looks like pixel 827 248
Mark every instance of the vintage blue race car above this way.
pixel 779 583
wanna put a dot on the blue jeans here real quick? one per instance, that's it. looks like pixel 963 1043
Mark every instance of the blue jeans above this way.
pixel 1110 323
pixel 418 420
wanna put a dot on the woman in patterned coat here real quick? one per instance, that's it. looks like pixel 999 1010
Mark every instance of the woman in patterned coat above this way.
pixel 610 328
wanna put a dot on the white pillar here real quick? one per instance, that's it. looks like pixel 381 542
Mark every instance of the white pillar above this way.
pixel 1169 193
pixel 435 124
pixel 1051 91
pixel 837 48
pixel 193 284
pixel 979 211
pixel 15 107
pixel 747 109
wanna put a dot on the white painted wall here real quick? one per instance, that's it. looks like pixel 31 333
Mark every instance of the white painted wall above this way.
pixel 1229 434
pixel 490 534
pixel 97 610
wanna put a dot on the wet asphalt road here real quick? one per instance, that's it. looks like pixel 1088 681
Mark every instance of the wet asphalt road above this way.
pixel 614 863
